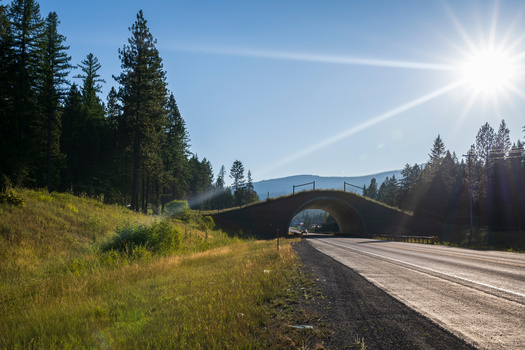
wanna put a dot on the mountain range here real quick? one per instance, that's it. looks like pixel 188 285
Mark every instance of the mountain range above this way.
pixel 283 186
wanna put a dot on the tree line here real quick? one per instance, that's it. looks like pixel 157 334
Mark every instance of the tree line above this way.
pixel 133 148
pixel 487 181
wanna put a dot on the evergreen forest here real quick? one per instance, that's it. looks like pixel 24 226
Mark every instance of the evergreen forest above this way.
pixel 485 185
pixel 56 132
pixel 133 148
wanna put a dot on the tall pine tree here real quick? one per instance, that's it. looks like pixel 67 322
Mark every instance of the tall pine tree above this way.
pixel 26 35
pixel 143 96
pixel 94 147
pixel 251 195
pixel 238 187
pixel 371 191
pixel 91 87
pixel 72 132
pixel 175 153
pixel 7 122
pixel 223 196
pixel 52 82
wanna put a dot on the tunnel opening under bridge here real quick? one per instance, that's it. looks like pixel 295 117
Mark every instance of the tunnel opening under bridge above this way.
pixel 349 220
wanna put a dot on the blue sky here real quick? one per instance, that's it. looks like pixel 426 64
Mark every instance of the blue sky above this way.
pixel 330 88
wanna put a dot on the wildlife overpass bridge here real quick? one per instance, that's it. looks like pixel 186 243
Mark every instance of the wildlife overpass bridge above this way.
pixel 354 214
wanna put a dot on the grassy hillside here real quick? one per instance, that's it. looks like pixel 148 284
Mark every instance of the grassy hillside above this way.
pixel 75 273
pixel 54 230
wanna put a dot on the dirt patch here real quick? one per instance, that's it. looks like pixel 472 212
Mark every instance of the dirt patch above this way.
pixel 352 311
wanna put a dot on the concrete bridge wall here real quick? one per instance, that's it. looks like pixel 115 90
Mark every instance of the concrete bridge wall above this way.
pixel 354 215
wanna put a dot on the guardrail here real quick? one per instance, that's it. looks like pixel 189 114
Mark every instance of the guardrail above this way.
pixel 409 239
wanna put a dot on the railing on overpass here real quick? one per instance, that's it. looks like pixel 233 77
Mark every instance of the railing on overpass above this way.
pixel 346 183
pixel 308 183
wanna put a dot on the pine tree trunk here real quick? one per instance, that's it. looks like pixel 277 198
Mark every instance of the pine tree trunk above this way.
pixel 157 197
pixel 162 200
pixel 143 196
pixel 147 196
pixel 49 126
pixel 135 181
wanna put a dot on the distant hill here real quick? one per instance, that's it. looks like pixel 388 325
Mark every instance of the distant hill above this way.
pixel 284 185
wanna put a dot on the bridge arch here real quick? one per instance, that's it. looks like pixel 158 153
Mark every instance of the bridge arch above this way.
pixel 353 213
pixel 348 217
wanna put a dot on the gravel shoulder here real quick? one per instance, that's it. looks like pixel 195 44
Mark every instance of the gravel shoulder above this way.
pixel 357 311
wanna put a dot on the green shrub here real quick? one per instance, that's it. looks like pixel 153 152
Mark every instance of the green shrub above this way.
pixel 128 236
pixel 165 238
pixel 178 210
pixel 110 258
pixel 160 238
pixel 207 223
pixel 12 198
pixel 140 253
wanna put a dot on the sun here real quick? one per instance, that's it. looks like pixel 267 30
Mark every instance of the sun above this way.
pixel 489 71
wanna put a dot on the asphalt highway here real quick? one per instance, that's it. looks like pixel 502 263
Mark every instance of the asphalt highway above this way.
pixel 477 295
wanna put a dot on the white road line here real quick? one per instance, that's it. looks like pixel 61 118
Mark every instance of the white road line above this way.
pixel 429 269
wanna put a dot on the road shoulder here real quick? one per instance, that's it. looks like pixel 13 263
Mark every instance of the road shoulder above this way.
pixel 354 309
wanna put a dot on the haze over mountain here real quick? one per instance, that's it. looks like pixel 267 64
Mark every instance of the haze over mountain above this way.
pixel 283 186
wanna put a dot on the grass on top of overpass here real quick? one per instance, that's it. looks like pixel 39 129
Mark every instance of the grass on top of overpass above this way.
pixel 274 199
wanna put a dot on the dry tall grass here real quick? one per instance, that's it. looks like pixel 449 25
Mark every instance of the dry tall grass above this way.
pixel 59 289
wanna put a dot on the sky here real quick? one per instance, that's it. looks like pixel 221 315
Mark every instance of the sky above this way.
pixel 329 88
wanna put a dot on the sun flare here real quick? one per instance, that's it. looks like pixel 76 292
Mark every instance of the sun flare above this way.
pixel 489 71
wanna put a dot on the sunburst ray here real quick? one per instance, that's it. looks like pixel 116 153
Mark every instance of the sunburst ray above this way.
pixel 363 126
pixel 319 58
